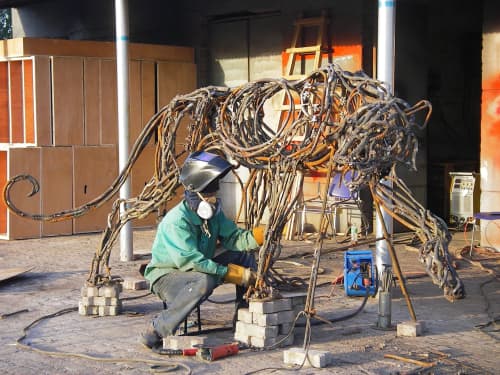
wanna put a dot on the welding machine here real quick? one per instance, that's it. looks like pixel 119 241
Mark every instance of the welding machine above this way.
pixel 359 273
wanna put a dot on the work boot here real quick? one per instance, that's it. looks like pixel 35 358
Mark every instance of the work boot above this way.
pixel 151 339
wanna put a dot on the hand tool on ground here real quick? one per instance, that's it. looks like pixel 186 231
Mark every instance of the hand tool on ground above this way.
pixel 211 353
pixel 205 353
pixel 171 352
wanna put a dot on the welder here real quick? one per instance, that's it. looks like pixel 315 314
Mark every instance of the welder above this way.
pixel 197 248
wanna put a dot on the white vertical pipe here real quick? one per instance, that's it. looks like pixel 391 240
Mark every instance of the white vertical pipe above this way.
pixel 385 73
pixel 386 41
pixel 122 71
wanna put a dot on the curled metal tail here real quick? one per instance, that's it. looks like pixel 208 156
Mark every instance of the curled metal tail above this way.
pixel 35 188
pixel 55 217
pixel 97 202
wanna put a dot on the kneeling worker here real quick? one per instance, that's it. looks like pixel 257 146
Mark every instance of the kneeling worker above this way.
pixel 184 268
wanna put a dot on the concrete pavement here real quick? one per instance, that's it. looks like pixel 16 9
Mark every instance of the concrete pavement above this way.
pixel 460 336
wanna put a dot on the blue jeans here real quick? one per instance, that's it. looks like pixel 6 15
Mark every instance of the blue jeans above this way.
pixel 182 291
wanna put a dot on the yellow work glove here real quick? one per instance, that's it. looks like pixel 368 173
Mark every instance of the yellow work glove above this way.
pixel 258 233
pixel 239 275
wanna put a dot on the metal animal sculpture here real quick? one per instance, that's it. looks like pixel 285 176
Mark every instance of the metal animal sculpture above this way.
pixel 335 121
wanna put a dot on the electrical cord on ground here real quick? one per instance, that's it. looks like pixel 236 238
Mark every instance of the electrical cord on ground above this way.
pixel 463 255
pixel 490 246
pixel 307 340
pixel 154 363
pixel 493 319
pixel 350 315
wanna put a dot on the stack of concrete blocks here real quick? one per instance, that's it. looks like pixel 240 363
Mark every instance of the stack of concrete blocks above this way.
pixel 268 323
pixel 100 300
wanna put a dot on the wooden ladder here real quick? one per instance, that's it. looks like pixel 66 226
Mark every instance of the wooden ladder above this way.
pixel 294 53
pixel 317 49
pixel 300 51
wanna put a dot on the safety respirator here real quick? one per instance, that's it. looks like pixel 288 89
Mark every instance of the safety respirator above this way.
pixel 207 207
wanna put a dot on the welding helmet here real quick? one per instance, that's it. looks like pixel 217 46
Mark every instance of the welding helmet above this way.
pixel 200 176
pixel 202 170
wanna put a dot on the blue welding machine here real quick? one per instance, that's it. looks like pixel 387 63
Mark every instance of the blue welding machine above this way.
pixel 359 273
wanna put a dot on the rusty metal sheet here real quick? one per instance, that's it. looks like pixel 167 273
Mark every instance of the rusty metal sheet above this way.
pixel 7 273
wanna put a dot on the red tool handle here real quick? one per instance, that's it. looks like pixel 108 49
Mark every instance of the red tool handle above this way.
pixel 189 352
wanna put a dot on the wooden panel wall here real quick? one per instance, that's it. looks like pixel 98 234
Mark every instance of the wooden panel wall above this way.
pixel 142 173
pixel 95 167
pixel 174 78
pixel 66 106
pixel 135 99
pixel 109 105
pixel 148 87
pixel 29 110
pixel 56 187
pixel 67 93
pixel 144 108
pixel 92 98
pixel 3 179
pixel 62 47
pixel 4 102
pixel 42 101
pixel 24 160
pixel 16 101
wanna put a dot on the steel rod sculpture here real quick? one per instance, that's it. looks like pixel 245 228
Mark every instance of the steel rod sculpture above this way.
pixel 335 121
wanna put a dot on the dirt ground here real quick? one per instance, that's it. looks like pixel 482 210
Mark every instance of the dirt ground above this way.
pixel 48 336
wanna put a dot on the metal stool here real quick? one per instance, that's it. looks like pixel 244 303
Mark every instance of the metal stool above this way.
pixel 339 198
pixel 198 315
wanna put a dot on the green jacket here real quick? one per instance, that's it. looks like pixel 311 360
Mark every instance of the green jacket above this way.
pixel 181 244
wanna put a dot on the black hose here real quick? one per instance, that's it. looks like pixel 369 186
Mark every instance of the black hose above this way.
pixel 340 318
pixel 350 315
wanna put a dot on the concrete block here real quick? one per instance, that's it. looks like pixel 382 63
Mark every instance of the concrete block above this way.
pixel 283 340
pixel 245 316
pixel 86 310
pixel 105 301
pixel 183 342
pixel 87 301
pixel 245 329
pixel 410 329
pixel 299 301
pixel 245 339
pixel 284 328
pixel 296 310
pixel 90 291
pixel 110 291
pixel 269 307
pixel 315 358
pixel 273 319
pixel 109 310
pixel 298 298
pixel 135 284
